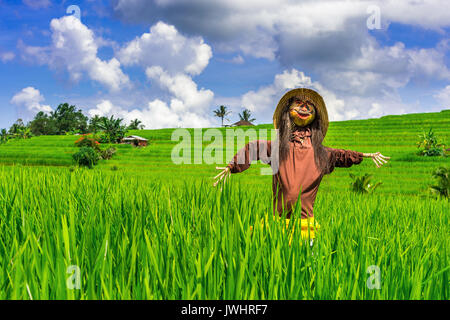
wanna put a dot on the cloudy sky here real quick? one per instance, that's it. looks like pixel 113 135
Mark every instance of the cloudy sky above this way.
pixel 171 62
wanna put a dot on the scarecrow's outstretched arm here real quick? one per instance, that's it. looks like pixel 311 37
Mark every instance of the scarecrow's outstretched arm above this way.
pixel 377 158
pixel 344 158
pixel 255 150
pixel 347 158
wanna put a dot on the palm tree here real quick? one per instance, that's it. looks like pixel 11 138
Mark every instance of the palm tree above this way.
pixel 222 112
pixel 136 125
pixel 246 116
pixel 113 129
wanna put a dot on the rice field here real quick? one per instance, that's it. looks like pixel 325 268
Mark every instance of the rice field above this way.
pixel 155 230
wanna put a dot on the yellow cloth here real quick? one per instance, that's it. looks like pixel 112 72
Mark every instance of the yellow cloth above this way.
pixel 309 227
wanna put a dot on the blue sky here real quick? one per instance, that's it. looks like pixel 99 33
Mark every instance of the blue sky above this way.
pixel 170 63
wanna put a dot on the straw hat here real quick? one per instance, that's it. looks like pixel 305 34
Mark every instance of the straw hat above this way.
pixel 304 94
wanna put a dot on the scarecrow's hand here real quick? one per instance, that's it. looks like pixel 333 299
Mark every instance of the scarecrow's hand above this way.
pixel 224 174
pixel 377 158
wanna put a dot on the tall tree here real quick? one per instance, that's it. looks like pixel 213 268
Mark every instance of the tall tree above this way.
pixel 68 118
pixel 246 116
pixel 221 112
pixel 42 124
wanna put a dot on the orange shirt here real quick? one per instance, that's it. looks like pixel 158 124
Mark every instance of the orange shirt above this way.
pixel 297 174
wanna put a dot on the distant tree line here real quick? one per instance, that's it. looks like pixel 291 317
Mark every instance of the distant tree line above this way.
pixel 67 119
pixel 223 111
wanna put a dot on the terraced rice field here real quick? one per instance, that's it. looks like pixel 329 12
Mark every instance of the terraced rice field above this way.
pixel 155 230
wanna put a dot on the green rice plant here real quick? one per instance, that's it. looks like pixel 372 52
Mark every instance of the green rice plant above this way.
pixel 135 238
pixel 442 186
pixel 108 153
pixel 363 184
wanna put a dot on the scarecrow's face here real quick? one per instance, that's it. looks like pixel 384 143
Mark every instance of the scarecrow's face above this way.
pixel 302 112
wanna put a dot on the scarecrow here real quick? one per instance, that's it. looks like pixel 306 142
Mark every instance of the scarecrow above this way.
pixel 301 160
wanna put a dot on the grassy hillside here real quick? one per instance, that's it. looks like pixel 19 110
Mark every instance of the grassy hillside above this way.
pixel 156 230
pixel 394 136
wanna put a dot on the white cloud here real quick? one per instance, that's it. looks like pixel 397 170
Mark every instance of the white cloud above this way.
pixel 388 107
pixel 187 107
pixel 156 115
pixel 374 107
pixel 170 60
pixel 39 55
pixel 428 63
pixel 430 14
pixel 7 56
pixel 31 99
pixel 104 108
pixel 443 97
pixel 383 70
pixel 186 95
pixel 74 49
pixel 262 102
pixel 329 39
pixel 164 46
pixel 266 98
pixel 237 59
pixel 376 110
pixel 254 27
pixel 332 30
pixel 37 4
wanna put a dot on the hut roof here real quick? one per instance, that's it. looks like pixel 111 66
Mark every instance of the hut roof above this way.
pixel 243 123
pixel 132 138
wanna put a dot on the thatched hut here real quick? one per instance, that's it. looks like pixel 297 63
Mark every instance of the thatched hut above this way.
pixel 242 123
pixel 135 141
